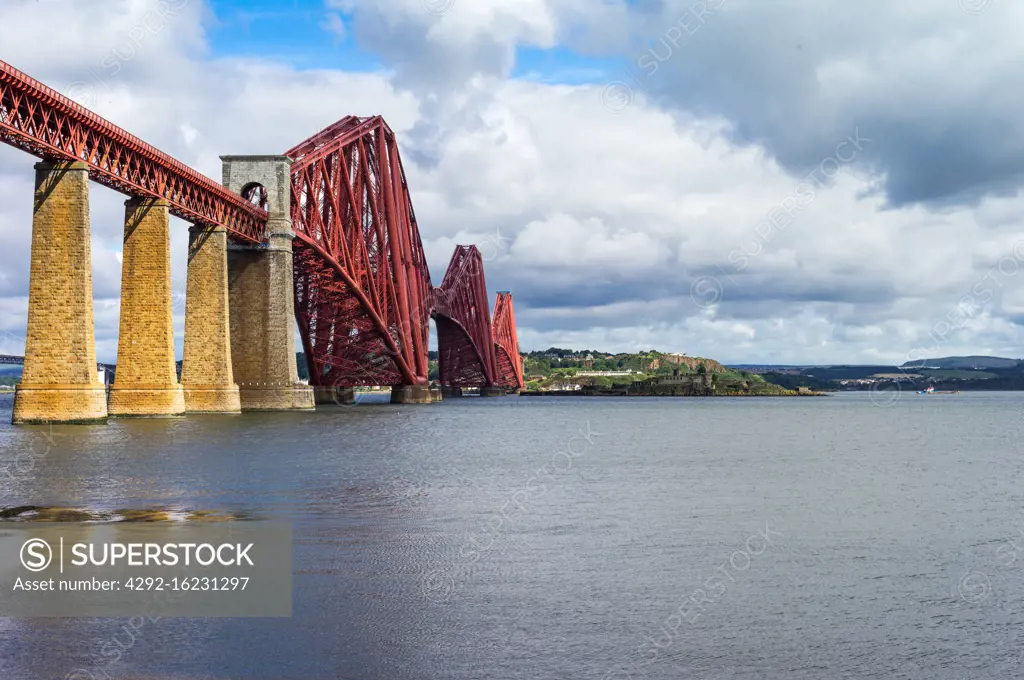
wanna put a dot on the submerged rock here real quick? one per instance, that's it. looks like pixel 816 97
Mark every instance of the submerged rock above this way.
pixel 144 515
pixel 61 515
pixel 40 513
pixel 8 513
pixel 215 516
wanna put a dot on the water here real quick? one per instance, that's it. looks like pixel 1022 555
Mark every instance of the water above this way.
pixel 553 538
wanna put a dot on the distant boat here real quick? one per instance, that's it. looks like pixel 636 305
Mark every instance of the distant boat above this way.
pixel 931 390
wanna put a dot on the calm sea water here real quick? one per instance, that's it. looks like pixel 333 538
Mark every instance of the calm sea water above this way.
pixel 575 538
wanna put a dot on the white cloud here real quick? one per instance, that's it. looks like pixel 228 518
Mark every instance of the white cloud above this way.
pixel 334 25
pixel 563 242
pixel 599 223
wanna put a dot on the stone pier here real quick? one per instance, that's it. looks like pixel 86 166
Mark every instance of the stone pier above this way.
pixel 492 392
pixel 59 382
pixel 145 381
pixel 449 392
pixel 206 373
pixel 261 293
pixel 345 396
pixel 411 394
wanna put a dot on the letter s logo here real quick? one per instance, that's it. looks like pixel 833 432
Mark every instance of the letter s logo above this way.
pixel 36 554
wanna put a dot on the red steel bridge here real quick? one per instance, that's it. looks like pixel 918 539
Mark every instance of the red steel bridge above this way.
pixel 363 293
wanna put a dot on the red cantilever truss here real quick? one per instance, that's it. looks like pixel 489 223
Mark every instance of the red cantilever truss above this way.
pixel 46 124
pixel 465 347
pixel 363 297
pixel 506 343
pixel 362 287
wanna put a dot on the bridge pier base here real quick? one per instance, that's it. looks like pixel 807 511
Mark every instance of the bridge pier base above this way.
pixel 410 394
pixel 334 395
pixel 492 392
pixel 435 395
pixel 261 294
pixel 206 374
pixel 263 328
pixel 449 392
pixel 59 382
pixel 146 381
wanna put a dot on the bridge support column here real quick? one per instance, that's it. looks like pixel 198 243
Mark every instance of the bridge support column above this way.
pixel 492 392
pixel 435 395
pixel 449 392
pixel 261 293
pixel 411 394
pixel 145 381
pixel 335 395
pixel 59 382
pixel 206 374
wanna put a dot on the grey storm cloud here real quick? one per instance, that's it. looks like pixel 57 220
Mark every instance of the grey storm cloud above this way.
pixel 933 86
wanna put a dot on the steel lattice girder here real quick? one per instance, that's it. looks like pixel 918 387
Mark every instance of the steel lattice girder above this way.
pixel 465 346
pixel 362 287
pixel 363 296
pixel 39 120
pixel 459 362
pixel 506 343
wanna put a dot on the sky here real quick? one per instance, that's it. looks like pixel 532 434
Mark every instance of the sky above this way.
pixel 793 182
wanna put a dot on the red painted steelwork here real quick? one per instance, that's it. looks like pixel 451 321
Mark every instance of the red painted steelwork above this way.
pixel 506 343
pixel 362 287
pixel 465 347
pixel 41 121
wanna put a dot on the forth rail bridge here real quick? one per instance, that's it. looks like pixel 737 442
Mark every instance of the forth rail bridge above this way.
pixel 324 234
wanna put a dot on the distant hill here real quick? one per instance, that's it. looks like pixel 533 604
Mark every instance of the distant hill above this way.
pixel 972 362
pixel 763 368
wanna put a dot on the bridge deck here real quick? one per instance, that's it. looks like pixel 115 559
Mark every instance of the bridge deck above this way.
pixel 45 123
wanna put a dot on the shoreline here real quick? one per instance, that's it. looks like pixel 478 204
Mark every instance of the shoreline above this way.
pixel 581 393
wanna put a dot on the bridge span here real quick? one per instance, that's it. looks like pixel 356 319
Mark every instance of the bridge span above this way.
pixel 324 234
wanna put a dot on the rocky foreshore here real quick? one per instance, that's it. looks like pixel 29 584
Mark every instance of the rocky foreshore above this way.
pixel 40 513
pixel 781 392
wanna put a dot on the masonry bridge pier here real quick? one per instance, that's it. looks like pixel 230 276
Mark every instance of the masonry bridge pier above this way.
pixel 324 234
